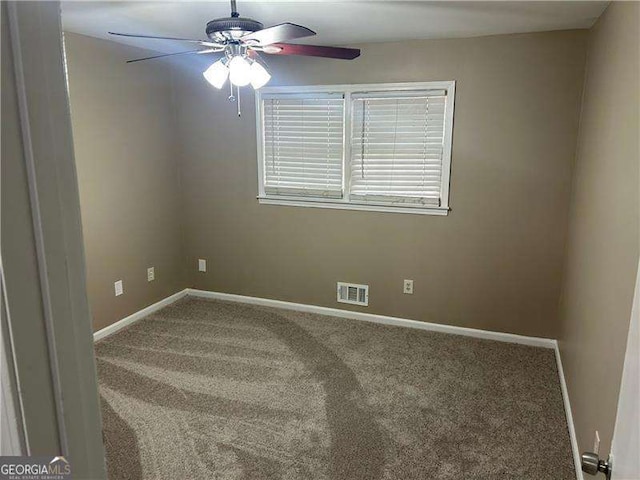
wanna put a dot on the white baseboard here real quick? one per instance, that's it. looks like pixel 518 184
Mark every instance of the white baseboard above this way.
pixel 334 312
pixel 577 463
pixel 383 319
pixel 134 317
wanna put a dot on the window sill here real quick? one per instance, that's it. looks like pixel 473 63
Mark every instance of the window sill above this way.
pixel 341 205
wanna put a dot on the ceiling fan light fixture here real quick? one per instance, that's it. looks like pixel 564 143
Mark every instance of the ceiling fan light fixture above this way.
pixel 239 71
pixel 259 76
pixel 240 40
pixel 217 74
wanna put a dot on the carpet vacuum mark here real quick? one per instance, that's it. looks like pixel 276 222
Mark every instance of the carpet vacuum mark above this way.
pixel 218 390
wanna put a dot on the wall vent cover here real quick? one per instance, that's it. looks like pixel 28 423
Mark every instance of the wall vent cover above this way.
pixel 353 293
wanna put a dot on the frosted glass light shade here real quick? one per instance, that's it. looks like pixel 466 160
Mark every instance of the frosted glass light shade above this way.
pixel 216 74
pixel 259 75
pixel 239 71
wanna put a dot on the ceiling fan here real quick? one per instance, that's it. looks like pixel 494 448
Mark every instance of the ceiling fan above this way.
pixel 240 40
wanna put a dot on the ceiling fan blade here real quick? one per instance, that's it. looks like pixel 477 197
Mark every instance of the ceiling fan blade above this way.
pixel 196 52
pixel 200 42
pixel 312 51
pixel 277 33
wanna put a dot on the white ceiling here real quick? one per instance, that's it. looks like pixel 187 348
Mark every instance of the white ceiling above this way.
pixel 337 23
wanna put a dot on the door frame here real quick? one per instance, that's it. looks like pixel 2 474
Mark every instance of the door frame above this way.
pixel 56 236
pixel 12 440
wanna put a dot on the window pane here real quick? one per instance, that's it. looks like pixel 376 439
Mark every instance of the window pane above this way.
pixel 303 145
pixel 397 144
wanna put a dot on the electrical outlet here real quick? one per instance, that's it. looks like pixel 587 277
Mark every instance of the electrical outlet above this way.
pixel 596 443
pixel 408 287
pixel 151 274
pixel 119 289
pixel 202 265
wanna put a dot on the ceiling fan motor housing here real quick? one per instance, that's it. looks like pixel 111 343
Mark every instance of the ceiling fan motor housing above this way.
pixel 231 28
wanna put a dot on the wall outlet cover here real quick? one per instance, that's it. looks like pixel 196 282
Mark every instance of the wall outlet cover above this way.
pixel 119 289
pixel 202 265
pixel 151 274
pixel 408 287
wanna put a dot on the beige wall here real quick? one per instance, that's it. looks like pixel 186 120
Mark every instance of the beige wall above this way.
pixel 126 155
pixel 494 263
pixel 602 251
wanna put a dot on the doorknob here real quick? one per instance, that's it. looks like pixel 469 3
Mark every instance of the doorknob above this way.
pixel 592 464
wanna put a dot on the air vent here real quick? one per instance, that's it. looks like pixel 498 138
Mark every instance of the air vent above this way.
pixel 353 293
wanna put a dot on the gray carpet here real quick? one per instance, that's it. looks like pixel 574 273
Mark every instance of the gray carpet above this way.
pixel 216 390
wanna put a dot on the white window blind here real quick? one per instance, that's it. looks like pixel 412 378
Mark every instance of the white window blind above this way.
pixel 303 148
pixel 397 145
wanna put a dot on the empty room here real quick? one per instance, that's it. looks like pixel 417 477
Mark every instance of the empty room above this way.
pixel 358 240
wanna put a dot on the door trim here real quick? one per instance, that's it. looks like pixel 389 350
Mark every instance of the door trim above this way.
pixel 27 143
pixel 43 106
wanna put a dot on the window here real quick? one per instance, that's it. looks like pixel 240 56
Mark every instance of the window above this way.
pixel 384 147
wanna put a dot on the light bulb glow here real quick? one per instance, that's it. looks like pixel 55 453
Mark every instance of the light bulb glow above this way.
pixel 216 74
pixel 259 75
pixel 239 71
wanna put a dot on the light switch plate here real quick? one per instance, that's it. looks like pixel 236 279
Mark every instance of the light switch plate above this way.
pixel 119 289
pixel 202 265
pixel 151 274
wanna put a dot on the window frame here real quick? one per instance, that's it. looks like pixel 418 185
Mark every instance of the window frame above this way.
pixel 345 202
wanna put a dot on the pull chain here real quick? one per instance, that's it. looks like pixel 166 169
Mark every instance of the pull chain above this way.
pixel 238 90
pixel 231 97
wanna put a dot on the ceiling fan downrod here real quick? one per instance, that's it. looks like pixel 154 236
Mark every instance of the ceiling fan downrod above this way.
pixel 234 9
